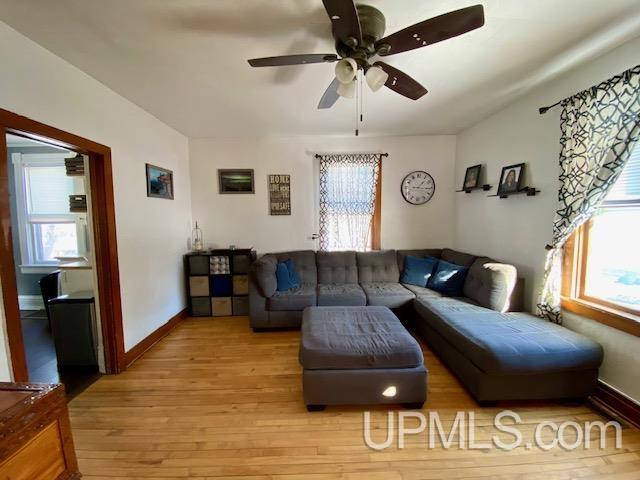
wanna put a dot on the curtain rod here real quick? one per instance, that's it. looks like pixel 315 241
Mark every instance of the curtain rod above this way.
pixel 626 76
pixel 318 155
pixel 544 110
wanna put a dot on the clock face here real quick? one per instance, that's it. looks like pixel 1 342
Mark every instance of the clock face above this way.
pixel 418 187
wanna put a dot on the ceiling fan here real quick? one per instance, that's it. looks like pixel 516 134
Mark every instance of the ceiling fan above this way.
pixel 358 32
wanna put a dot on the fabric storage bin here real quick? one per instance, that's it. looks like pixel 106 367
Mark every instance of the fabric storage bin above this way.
pixel 198 265
pixel 241 305
pixel 221 286
pixel 199 286
pixel 241 263
pixel 240 284
pixel 200 307
pixel 221 306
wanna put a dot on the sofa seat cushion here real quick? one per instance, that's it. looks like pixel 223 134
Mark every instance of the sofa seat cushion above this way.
pixel 422 291
pixel 356 338
pixel 341 294
pixel 295 299
pixel 387 294
pixel 508 343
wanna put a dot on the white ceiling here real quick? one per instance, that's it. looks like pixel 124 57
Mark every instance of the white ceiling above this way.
pixel 184 61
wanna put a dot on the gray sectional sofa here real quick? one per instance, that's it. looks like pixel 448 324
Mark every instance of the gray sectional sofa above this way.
pixel 497 353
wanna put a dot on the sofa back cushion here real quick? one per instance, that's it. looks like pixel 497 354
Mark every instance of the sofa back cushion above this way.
pixel 337 267
pixel 263 271
pixel 377 267
pixel 459 258
pixel 490 283
pixel 305 262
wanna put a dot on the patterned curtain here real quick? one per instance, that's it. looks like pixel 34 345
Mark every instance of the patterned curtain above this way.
pixel 347 200
pixel 600 127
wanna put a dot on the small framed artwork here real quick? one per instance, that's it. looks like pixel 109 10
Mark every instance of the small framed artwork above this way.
pixel 511 179
pixel 472 177
pixel 280 194
pixel 159 182
pixel 235 181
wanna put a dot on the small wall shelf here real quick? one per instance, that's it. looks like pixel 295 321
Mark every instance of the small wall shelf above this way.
pixel 528 191
pixel 484 188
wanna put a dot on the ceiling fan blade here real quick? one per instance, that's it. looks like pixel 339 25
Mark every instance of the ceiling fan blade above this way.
pixel 330 95
pixel 434 30
pixel 344 18
pixel 293 60
pixel 402 83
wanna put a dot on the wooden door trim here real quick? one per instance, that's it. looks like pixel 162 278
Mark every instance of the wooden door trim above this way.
pixel 104 225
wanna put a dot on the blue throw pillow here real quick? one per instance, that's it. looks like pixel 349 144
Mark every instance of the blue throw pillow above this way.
pixel 293 273
pixel 417 271
pixel 287 276
pixel 448 278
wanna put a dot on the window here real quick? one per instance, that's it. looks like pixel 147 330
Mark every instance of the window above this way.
pixel 602 260
pixel 350 200
pixel 46 228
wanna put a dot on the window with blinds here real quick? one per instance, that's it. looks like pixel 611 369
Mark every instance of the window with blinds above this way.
pixel 627 187
pixel 47 229
pixel 612 262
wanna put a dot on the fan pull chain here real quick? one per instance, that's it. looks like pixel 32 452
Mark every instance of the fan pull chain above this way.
pixel 361 95
pixel 357 101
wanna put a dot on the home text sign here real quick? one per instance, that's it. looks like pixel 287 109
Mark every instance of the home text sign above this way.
pixel 280 194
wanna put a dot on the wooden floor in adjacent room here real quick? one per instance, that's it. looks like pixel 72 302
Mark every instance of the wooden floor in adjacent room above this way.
pixel 215 400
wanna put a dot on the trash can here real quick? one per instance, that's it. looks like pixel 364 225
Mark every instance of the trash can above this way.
pixel 74 329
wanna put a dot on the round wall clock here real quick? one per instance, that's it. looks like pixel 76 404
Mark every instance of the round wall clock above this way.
pixel 418 187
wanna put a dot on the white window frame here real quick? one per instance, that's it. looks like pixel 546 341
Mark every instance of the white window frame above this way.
pixel 26 233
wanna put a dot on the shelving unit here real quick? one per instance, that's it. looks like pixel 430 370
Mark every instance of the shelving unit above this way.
pixel 484 188
pixel 218 282
pixel 528 191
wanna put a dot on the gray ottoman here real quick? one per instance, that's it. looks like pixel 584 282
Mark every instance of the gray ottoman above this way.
pixel 359 355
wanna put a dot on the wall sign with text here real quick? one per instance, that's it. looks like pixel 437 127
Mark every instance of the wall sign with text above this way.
pixel 280 194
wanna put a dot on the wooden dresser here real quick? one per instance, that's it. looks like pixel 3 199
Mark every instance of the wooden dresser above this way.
pixel 35 434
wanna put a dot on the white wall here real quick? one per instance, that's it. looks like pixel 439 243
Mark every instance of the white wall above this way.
pixel 244 220
pixel 152 233
pixel 517 230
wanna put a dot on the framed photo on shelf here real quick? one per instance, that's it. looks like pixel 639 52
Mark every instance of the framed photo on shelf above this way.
pixel 235 180
pixel 159 182
pixel 511 179
pixel 472 177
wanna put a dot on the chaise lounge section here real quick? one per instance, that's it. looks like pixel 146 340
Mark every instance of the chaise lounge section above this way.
pixel 496 351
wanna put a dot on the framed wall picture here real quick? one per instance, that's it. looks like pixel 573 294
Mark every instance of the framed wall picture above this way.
pixel 279 194
pixel 472 177
pixel 235 180
pixel 159 182
pixel 511 179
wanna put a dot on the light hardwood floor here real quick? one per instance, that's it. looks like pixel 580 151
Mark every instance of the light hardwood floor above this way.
pixel 215 400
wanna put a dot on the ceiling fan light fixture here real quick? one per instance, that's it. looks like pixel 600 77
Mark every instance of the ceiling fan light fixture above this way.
pixel 346 70
pixel 376 77
pixel 347 90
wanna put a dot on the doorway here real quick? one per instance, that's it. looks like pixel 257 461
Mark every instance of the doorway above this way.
pixel 67 242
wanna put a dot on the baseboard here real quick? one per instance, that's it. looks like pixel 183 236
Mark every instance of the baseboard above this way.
pixel 154 337
pixel 615 404
pixel 30 302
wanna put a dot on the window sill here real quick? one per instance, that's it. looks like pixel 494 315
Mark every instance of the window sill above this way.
pixel 44 269
pixel 611 317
